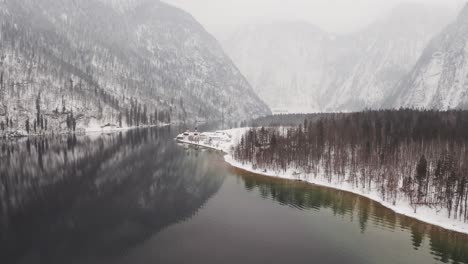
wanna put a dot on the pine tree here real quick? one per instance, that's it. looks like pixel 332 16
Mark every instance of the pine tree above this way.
pixel 38 106
pixel 74 123
pixel 42 122
pixel 145 115
pixel 421 176
pixel 64 109
pixel 68 122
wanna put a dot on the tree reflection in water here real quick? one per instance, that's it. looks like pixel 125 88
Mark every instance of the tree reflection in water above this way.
pixel 445 246
pixel 92 199
pixel 71 196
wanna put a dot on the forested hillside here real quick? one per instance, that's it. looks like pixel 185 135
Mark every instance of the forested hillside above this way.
pixel 403 156
pixel 67 65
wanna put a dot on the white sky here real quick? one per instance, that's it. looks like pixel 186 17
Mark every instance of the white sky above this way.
pixel 332 15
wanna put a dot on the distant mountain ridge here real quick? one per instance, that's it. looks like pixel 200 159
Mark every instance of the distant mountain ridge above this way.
pixel 309 70
pixel 386 51
pixel 114 61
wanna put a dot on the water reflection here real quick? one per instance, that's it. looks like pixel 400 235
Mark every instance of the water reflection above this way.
pixel 71 199
pixel 445 246
pixel 92 199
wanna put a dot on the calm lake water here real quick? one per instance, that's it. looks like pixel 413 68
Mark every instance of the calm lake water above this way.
pixel 138 197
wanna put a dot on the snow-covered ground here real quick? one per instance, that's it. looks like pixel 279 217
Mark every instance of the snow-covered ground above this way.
pixel 94 129
pixel 219 140
pixel 425 214
pixel 101 129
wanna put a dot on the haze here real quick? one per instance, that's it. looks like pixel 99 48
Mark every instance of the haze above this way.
pixel 338 16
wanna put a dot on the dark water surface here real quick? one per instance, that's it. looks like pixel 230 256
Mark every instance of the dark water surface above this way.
pixel 138 197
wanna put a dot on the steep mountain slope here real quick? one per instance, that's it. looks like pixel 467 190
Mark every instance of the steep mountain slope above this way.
pixel 384 53
pixel 110 60
pixel 297 67
pixel 440 78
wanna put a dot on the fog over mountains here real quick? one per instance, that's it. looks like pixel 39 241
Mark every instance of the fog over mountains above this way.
pixel 85 64
pixel 286 63
pixel 440 78
pixel 299 68
pixel 110 60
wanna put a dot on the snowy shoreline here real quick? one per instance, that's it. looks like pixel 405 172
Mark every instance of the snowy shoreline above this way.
pixel 92 130
pixel 424 214
pixel 85 131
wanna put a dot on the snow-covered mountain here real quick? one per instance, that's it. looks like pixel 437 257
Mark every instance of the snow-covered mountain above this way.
pixel 383 54
pixel 107 60
pixel 440 78
pixel 299 68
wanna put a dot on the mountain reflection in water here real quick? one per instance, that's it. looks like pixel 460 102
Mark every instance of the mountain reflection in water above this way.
pixel 138 197
pixel 71 196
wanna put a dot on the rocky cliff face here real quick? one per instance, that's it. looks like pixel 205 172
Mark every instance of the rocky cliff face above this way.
pixel 383 54
pixel 440 78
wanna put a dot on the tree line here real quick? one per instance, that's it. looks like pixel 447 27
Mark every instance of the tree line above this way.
pixel 405 155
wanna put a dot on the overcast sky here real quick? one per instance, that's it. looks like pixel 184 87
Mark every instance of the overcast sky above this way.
pixel 337 16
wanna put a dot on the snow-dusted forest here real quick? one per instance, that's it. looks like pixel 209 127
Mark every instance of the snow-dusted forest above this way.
pixel 402 156
pixel 68 65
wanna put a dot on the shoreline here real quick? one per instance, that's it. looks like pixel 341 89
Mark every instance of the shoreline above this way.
pixel 86 131
pixel 426 215
pixel 120 129
pixel 192 143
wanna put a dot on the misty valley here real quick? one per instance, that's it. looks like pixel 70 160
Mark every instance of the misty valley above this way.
pixel 218 131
